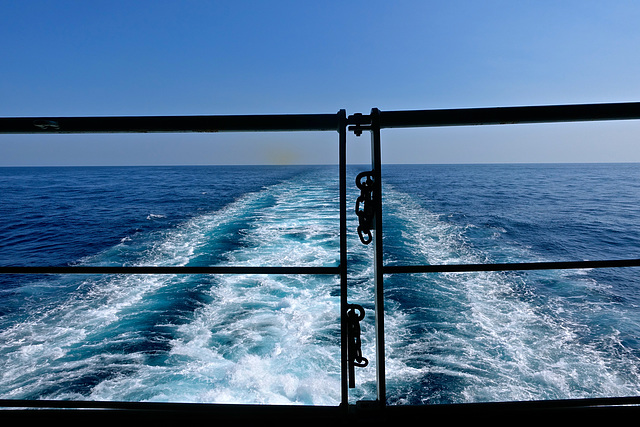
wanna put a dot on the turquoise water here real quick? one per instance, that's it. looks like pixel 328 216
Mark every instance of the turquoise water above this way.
pixel 458 337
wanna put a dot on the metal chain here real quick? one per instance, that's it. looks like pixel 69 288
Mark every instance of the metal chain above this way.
pixel 364 206
pixel 355 313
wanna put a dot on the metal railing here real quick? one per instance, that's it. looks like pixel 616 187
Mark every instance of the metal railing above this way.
pixel 203 124
pixel 357 123
pixel 378 120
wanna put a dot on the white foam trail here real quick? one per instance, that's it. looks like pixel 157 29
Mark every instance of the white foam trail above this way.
pixel 39 352
pixel 265 339
pixel 259 339
pixel 271 339
pixel 275 339
pixel 496 340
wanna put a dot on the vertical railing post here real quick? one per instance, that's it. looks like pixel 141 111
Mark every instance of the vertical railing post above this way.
pixel 378 256
pixel 342 131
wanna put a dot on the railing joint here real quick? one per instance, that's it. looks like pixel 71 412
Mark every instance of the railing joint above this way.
pixel 360 123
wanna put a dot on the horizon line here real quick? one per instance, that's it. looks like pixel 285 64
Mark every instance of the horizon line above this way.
pixel 323 164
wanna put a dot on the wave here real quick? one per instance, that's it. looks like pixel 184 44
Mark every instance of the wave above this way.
pixel 492 336
pixel 274 339
pixel 236 338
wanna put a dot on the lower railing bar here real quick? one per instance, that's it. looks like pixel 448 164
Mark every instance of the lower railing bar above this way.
pixel 166 412
pixel 169 270
pixel 593 402
pixel 559 265
pixel 509 115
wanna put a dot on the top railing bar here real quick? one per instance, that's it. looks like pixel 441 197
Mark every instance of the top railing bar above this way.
pixel 318 122
pixel 509 115
pixel 169 124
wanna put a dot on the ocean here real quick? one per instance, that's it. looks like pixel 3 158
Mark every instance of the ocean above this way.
pixel 275 339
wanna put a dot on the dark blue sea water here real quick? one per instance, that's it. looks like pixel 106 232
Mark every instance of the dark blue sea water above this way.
pixel 456 337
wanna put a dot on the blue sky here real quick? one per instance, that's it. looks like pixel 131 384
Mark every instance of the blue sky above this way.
pixel 88 58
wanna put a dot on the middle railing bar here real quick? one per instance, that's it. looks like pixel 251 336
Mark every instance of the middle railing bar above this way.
pixel 169 124
pixel 169 270
pixel 509 115
pixel 520 266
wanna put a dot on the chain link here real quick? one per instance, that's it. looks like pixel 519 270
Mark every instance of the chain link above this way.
pixel 365 206
pixel 355 313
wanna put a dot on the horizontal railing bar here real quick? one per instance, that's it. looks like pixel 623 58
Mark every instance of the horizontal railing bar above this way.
pixel 509 115
pixel 557 265
pixel 319 122
pixel 164 412
pixel 389 269
pixel 169 270
pixel 148 124
pixel 194 407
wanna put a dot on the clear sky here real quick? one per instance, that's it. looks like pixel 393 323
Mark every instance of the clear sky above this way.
pixel 105 58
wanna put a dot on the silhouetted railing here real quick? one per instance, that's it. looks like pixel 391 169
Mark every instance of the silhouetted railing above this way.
pixel 339 122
